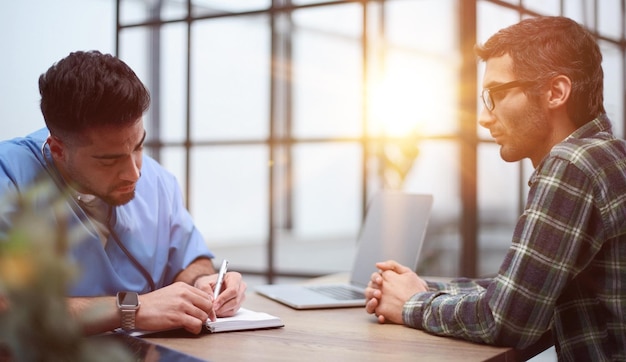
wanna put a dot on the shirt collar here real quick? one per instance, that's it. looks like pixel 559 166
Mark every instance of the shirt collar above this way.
pixel 599 127
pixel 589 129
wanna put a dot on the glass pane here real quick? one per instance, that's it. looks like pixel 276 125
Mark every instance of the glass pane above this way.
pixel 173 91
pixel 327 72
pixel 490 18
pixel 326 190
pixel 613 66
pixel 306 2
pixel 33 36
pixel 483 133
pixel 173 159
pixel 416 93
pixel 316 256
pixel 415 85
pixel 544 7
pixel 498 205
pixel 230 78
pixel 133 11
pixel 611 19
pixel 211 7
pixel 575 10
pixel 407 23
pixel 436 171
pixel 327 209
pixel 229 194
pixel 134 51
pixel 174 9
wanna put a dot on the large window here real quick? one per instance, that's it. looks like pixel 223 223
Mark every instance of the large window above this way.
pixel 281 119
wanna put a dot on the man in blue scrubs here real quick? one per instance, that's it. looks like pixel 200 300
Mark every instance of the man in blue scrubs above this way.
pixel 142 262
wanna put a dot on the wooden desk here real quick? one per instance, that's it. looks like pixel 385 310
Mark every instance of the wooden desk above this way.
pixel 347 334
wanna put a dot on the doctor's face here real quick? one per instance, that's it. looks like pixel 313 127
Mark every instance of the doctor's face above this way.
pixel 105 161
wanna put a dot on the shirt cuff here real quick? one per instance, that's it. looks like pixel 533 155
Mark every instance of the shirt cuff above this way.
pixel 413 310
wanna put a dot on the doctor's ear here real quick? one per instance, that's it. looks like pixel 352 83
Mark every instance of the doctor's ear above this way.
pixel 559 90
pixel 57 147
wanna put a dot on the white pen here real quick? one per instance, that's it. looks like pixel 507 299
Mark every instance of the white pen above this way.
pixel 220 279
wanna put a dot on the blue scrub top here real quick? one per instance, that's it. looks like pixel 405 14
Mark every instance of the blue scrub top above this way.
pixel 155 226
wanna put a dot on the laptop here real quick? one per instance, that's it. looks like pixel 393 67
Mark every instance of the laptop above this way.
pixel 394 228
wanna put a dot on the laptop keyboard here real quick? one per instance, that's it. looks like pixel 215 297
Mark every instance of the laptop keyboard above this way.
pixel 337 292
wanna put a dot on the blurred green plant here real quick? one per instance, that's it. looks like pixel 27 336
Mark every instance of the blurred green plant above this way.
pixel 35 323
pixel 396 157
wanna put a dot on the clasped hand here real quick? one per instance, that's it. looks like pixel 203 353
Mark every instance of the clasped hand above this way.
pixel 183 305
pixel 388 290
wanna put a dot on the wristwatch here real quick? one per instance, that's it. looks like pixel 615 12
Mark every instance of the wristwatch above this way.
pixel 128 303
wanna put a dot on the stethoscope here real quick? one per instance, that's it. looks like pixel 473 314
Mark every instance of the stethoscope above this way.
pixel 109 221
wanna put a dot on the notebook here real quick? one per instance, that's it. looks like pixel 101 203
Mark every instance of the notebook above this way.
pixel 244 319
pixel 394 228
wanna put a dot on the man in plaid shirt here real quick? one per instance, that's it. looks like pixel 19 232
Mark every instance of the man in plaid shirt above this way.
pixel 566 267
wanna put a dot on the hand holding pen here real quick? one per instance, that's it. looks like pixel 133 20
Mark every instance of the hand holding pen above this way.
pixel 220 279
pixel 231 292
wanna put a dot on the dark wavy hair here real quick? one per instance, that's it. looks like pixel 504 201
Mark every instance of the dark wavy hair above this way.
pixel 544 47
pixel 90 89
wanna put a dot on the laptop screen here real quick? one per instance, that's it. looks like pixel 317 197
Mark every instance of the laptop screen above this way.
pixel 394 228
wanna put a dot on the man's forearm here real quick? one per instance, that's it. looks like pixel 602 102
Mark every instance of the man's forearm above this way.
pixel 95 314
pixel 100 314
pixel 199 267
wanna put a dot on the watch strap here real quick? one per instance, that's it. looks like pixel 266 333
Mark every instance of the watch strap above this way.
pixel 128 319
pixel 128 304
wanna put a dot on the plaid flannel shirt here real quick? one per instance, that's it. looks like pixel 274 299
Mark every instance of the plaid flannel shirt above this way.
pixel 565 269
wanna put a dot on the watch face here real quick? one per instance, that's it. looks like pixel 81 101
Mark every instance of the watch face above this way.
pixel 128 299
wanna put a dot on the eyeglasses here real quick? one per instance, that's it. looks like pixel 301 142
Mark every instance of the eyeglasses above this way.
pixel 487 93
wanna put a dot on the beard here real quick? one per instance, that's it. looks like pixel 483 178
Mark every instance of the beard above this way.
pixel 108 197
pixel 531 129
pixel 84 185
pixel 120 200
